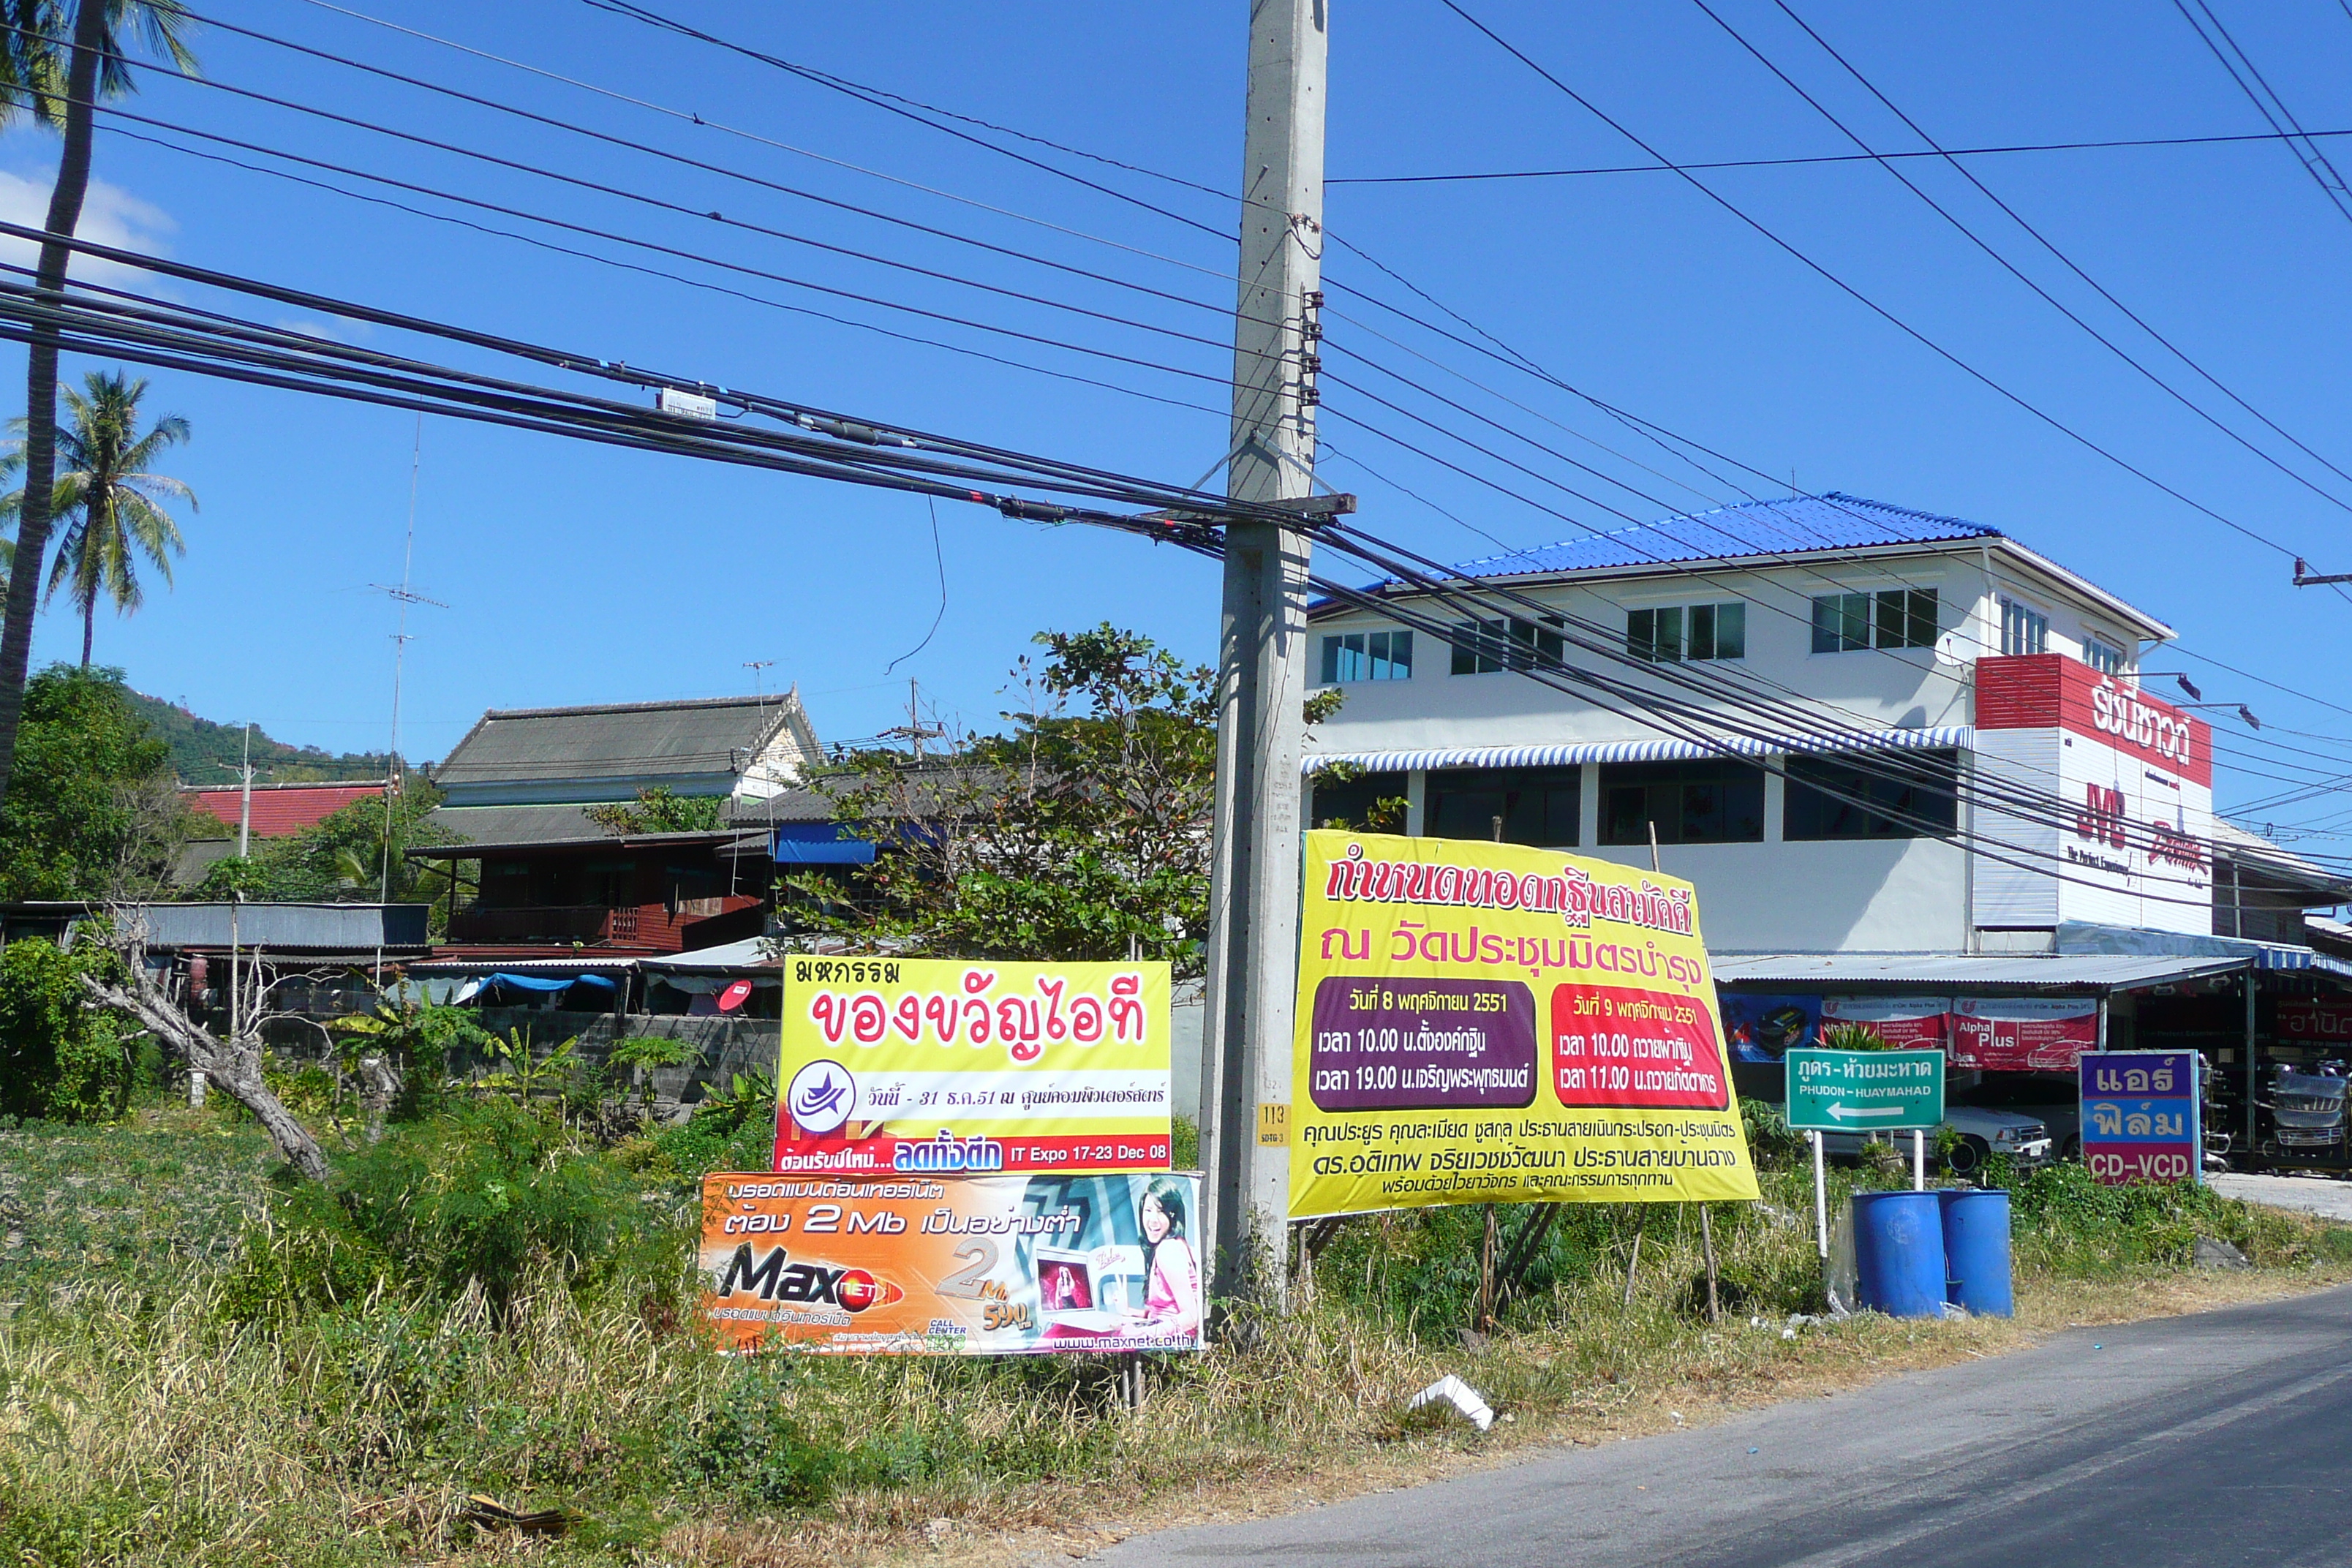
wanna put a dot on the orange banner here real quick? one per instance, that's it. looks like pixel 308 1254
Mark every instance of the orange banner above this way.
pixel 953 1265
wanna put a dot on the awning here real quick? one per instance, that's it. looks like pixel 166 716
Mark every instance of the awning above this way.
pixel 1569 756
pixel 2083 936
pixel 454 965
pixel 748 958
pixel 2087 973
pixel 820 844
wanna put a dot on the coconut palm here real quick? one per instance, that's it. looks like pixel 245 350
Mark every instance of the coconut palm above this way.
pixel 58 82
pixel 106 497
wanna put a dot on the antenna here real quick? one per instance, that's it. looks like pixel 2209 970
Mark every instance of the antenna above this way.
pixel 758 668
pixel 404 596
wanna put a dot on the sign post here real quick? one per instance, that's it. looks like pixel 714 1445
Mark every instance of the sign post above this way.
pixel 2140 1120
pixel 1863 1091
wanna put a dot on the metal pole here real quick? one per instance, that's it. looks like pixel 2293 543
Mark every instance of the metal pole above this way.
pixel 2249 1057
pixel 1254 866
pixel 1918 1161
pixel 1821 1201
pixel 244 800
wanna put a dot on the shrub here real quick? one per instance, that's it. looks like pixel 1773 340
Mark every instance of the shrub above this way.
pixel 749 1441
pixel 60 1059
pixel 733 1129
pixel 480 1196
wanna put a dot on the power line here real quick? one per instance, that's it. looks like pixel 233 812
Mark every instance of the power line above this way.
pixel 1477 175
pixel 2270 105
pixel 1914 334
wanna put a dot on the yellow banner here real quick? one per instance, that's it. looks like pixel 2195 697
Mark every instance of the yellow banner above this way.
pixel 951 1066
pixel 1483 1023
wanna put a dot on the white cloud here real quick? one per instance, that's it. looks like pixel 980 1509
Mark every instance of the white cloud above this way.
pixel 110 215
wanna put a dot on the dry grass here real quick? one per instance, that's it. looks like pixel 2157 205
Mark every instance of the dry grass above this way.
pixel 137 1424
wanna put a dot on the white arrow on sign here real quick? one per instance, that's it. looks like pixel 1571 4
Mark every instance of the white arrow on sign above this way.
pixel 1856 1113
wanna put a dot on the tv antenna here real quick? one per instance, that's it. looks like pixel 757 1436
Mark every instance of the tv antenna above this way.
pixel 403 595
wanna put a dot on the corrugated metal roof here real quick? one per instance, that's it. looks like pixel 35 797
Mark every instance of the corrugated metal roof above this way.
pixel 281 809
pixel 481 828
pixel 1794 525
pixel 622 739
pixel 1570 753
pixel 752 953
pixel 287 927
pixel 1939 972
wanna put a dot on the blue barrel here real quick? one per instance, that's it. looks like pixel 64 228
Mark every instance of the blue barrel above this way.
pixel 1898 1253
pixel 1976 1250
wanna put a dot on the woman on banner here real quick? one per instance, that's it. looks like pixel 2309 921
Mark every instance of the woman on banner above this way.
pixel 1171 1294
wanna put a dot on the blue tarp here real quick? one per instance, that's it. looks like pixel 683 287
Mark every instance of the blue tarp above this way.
pixel 536 983
pixel 820 844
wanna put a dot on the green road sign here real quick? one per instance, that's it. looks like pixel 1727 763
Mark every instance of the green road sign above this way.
pixel 1864 1091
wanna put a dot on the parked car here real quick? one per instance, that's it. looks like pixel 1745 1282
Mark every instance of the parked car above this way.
pixel 2052 1098
pixel 1984 1130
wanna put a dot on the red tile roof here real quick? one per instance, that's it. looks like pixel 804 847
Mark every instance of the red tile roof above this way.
pixel 281 809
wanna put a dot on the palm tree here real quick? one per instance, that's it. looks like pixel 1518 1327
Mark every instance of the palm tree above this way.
pixel 106 499
pixel 60 85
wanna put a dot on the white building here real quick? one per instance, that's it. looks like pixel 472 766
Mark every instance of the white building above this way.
pixel 1881 654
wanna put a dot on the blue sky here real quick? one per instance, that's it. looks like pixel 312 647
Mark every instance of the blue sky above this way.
pixel 574 573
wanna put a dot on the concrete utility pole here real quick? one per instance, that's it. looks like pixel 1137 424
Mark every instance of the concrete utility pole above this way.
pixel 1254 878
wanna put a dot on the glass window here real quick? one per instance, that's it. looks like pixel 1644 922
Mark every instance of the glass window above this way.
pixel 1482 648
pixel 1367 656
pixel 1687 631
pixel 1841 622
pixel 2023 628
pixel 1537 805
pixel 1890 619
pixel 1895 795
pixel 2102 656
pixel 1711 802
pixel 1356 801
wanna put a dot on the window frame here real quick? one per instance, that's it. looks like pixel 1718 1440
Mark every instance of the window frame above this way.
pixel 1512 642
pixel 2102 656
pixel 1888 620
pixel 1682 778
pixel 1373 663
pixel 1904 816
pixel 1647 639
pixel 1522 788
pixel 2017 614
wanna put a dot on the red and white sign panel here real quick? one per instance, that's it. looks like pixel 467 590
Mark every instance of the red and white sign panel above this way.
pixel 2023 1034
pixel 2320 1023
pixel 1906 1022
pixel 2133 777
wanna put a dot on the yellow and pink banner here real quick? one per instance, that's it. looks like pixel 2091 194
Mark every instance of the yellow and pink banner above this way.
pixel 1484 1023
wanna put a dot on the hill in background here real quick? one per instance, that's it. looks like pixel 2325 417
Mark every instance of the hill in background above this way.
pixel 204 752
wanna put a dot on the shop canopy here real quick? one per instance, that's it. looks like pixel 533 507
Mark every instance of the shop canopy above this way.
pixel 1895 974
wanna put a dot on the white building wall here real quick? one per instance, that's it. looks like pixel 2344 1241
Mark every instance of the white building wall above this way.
pixel 1841 895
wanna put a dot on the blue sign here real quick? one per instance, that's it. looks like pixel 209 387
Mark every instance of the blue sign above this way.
pixel 2140 1116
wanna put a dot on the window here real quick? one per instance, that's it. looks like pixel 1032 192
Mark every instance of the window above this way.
pixel 2104 658
pixel 1893 617
pixel 1482 648
pixel 1691 803
pixel 1687 631
pixel 1900 795
pixel 2024 629
pixel 1537 805
pixel 1367 656
pixel 1355 801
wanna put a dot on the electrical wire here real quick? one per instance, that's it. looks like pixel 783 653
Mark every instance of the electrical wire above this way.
pixel 1478 175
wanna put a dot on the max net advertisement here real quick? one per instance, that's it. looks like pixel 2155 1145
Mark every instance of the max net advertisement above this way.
pixel 949 1066
pixel 1483 1023
pixel 966 1266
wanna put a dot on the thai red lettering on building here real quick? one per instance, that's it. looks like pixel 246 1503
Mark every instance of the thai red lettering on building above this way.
pixel 2049 691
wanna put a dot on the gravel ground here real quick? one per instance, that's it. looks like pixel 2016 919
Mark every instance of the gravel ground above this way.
pixel 2313 1195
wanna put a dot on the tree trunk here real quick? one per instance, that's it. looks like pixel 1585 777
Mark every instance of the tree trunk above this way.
pixel 235 1067
pixel 89 626
pixel 41 381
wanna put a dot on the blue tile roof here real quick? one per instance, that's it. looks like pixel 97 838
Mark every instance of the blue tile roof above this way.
pixel 1794 526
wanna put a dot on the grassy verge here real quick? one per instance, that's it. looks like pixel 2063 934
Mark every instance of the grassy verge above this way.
pixel 179 1412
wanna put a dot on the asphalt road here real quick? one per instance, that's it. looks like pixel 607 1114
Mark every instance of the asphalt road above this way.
pixel 2197 1442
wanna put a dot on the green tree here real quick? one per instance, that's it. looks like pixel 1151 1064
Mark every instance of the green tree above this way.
pixel 342 857
pixel 658 810
pixel 60 85
pixel 93 813
pixel 108 501
pixel 1081 829
pixel 60 1059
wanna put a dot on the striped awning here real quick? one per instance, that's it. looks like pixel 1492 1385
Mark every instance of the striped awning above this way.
pixel 1662 750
